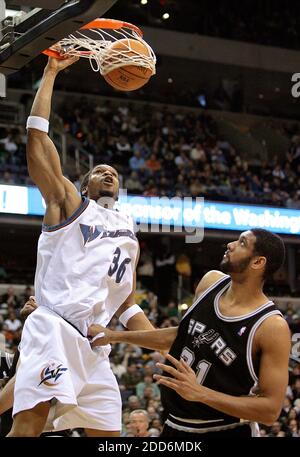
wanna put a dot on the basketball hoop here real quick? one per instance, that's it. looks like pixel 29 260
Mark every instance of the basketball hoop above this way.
pixel 95 40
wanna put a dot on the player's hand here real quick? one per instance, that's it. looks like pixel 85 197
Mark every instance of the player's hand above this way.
pixel 57 65
pixel 29 307
pixel 183 379
pixel 99 336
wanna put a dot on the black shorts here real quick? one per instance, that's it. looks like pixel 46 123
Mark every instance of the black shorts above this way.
pixel 6 423
pixel 242 431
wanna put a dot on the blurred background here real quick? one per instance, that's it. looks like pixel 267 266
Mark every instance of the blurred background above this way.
pixel 217 121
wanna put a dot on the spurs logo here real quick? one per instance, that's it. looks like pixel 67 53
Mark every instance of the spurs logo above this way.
pixel 205 338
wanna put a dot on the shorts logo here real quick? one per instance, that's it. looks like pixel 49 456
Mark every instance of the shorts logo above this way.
pixel 51 373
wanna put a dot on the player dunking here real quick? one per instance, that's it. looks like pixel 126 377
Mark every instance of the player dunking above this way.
pixel 228 364
pixel 85 274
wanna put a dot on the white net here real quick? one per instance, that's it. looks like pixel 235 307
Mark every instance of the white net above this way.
pixel 101 47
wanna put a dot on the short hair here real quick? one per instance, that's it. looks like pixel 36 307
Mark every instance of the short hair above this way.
pixel 133 398
pixel 84 182
pixel 140 411
pixel 271 247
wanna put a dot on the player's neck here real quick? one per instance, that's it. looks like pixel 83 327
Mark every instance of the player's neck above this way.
pixel 245 292
pixel 105 202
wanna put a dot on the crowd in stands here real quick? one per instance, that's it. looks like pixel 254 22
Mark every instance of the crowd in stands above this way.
pixel 267 23
pixel 134 367
pixel 167 154
pixel 161 153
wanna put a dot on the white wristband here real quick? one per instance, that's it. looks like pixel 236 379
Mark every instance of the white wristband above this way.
pixel 39 123
pixel 129 313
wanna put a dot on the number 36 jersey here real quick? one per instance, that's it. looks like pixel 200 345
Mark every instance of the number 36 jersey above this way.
pixel 85 265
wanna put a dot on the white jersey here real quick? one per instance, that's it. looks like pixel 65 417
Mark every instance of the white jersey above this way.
pixel 85 266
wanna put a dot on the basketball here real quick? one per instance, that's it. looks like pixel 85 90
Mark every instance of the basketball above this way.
pixel 129 77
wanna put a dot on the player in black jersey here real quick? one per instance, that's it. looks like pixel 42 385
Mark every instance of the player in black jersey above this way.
pixel 227 366
pixel 7 374
pixel 8 368
pixel 6 361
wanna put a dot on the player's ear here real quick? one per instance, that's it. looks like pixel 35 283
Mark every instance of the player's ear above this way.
pixel 259 262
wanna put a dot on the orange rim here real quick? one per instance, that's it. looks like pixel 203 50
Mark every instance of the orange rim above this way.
pixel 99 23
pixel 115 24
pixel 51 53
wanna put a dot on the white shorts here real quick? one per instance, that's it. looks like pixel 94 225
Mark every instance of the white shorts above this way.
pixel 57 362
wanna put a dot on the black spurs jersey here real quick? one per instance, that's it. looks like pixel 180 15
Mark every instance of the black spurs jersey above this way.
pixel 219 349
pixel 8 363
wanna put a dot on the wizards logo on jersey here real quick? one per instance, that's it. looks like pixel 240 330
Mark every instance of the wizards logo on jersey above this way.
pixel 90 232
pixel 51 374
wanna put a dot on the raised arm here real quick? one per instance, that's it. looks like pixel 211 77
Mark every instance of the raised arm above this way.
pixel 61 196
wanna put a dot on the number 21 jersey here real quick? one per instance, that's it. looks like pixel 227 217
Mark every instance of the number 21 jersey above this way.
pixel 219 350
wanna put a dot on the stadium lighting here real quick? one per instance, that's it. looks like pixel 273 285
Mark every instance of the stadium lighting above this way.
pixel 183 307
pixel 165 16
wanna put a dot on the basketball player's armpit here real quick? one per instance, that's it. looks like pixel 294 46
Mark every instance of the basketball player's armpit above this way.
pixel 7 396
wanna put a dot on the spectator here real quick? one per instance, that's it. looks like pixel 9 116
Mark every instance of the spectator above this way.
pixel 136 162
pixel 11 298
pixel 147 382
pixel 138 424
pixel 133 184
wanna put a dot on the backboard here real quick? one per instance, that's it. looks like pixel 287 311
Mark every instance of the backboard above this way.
pixel 23 39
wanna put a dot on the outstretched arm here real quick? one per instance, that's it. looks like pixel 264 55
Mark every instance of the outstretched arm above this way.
pixel 159 339
pixel 43 161
pixel 274 342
